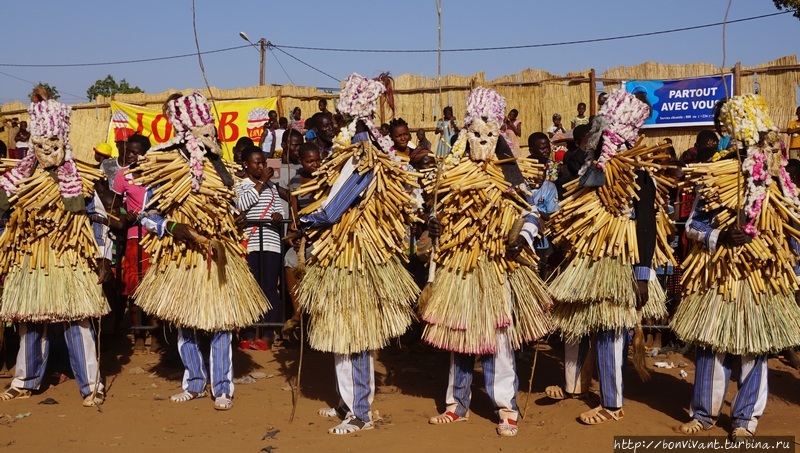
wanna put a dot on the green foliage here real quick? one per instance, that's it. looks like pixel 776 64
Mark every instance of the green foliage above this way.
pixel 108 86
pixel 788 4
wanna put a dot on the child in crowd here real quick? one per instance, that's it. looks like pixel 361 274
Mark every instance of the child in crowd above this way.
pixel 310 160
pixel 557 127
pixel 581 118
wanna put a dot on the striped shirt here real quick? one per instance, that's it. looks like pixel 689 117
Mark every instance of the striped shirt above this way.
pixel 260 206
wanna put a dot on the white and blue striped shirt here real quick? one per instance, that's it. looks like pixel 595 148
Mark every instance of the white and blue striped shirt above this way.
pixel 257 206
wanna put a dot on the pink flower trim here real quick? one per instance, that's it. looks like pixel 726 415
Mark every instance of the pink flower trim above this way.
pixel 11 179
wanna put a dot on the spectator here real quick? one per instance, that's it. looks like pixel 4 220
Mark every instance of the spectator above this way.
pixel 268 141
pixel 793 130
pixel 573 159
pixel 242 144
pixel 283 124
pixel 258 199
pixel 136 261
pixel 310 160
pixel 398 132
pixel 512 131
pixel 112 165
pixel 557 127
pixel 384 129
pixel 448 128
pixel 22 138
pixel 422 141
pixel 601 99
pixel 323 105
pixel 322 124
pixel 3 150
pixel 11 128
pixel 297 122
pixel 539 147
pixel 581 118
pixel 702 150
pixel 102 152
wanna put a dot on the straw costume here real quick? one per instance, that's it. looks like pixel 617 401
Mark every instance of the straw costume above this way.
pixel 198 278
pixel 614 233
pixel 739 283
pixel 486 296
pixel 356 290
pixel 51 254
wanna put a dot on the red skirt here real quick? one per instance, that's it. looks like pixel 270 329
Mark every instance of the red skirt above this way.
pixel 134 255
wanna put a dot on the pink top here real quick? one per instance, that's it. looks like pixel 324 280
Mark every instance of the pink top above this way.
pixel 134 197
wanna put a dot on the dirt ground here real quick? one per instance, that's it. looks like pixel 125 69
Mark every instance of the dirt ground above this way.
pixel 138 416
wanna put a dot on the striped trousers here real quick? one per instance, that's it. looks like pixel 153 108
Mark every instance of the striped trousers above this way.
pixel 220 364
pixel 711 382
pixel 355 384
pixel 611 347
pixel 34 349
pixel 578 365
pixel 500 376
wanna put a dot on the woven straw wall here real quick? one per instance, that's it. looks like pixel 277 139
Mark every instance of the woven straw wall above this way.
pixel 536 94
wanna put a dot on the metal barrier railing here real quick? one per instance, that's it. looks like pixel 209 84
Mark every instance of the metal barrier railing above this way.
pixel 283 291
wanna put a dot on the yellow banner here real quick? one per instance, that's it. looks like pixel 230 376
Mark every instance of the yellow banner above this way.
pixel 236 119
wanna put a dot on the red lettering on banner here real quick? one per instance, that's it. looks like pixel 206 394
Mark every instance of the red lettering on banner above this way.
pixel 226 123
pixel 139 123
pixel 255 133
pixel 156 133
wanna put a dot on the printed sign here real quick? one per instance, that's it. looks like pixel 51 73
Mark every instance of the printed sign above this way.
pixel 684 102
pixel 234 119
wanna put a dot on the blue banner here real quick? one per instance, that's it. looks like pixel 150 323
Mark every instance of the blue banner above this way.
pixel 684 102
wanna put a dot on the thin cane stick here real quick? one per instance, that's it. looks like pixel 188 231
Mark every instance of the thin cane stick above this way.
pixel 530 381
pixel 296 389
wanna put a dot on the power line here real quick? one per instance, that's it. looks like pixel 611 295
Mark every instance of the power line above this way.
pixel 327 49
pixel 109 63
pixel 281 65
pixel 36 84
pixel 530 46
pixel 312 67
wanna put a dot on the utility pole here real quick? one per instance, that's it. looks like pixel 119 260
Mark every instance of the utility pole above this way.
pixel 263 74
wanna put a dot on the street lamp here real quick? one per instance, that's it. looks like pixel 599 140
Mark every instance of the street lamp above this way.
pixel 262 47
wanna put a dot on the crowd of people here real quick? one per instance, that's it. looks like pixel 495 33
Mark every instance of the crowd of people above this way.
pixel 358 220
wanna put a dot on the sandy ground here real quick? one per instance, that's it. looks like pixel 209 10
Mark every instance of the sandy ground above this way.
pixel 138 416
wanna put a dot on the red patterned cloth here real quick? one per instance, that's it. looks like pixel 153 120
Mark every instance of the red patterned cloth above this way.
pixel 130 266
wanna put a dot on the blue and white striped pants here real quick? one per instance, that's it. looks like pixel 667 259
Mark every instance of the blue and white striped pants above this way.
pixel 711 382
pixel 355 383
pixel 220 362
pixel 578 365
pixel 611 348
pixel 499 374
pixel 34 350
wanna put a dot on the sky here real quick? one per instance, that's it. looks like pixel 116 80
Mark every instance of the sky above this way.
pixel 94 31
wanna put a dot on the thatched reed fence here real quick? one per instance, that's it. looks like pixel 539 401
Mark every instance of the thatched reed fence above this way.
pixel 536 94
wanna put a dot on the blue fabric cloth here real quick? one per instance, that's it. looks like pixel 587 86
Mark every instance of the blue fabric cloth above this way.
pixel 698 225
pixel 340 202
pixel 545 200
pixel 724 141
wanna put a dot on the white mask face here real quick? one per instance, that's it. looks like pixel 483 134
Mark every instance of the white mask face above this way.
pixel 49 151
pixel 207 136
pixel 482 137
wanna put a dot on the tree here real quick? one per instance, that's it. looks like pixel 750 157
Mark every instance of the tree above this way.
pixel 788 4
pixel 52 92
pixel 108 86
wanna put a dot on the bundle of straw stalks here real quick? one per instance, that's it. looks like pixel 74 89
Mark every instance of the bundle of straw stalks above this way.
pixel 478 292
pixel 356 290
pixel 185 285
pixel 595 291
pixel 740 300
pixel 49 254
